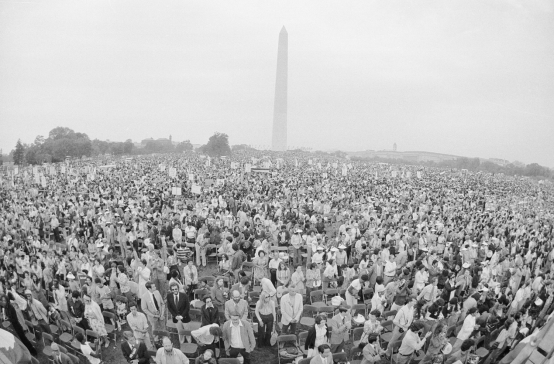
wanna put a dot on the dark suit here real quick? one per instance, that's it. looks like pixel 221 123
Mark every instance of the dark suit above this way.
pixel 209 315
pixel 141 354
pixel 181 308
pixel 64 359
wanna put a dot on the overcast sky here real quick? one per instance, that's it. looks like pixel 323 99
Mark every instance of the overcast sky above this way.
pixel 471 78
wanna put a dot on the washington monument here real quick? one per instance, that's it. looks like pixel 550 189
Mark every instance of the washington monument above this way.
pixel 280 107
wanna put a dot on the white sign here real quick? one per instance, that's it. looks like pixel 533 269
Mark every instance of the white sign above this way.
pixel 63 169
pixel 176 190
pixel 196 189
pixel 419 174
pixel 191 177
pixel 335 165
pixel 247 167
pixel 172 172
pixel 43 181
pixel 393 174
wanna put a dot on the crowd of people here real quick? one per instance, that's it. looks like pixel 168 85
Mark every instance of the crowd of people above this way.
pixel 367 260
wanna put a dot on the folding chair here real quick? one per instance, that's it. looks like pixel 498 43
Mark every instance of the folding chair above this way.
pixel 358 309
pixel 31 334
pixel 47 340
pixel 195 315
pixel 186 347
pixel 386 336
pixel 209 279
pixel 74 359
pixel 282 339
pixel 212 255
pixel 481 351
pixel 395 347
pixel 110 328
pixel 307 318
pixel 200 293
pixel 328 294
pixel 316 296
pixel 95 341
pixel 356 336
pixel 302 336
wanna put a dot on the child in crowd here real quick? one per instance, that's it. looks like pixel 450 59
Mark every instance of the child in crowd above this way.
pixel 121 309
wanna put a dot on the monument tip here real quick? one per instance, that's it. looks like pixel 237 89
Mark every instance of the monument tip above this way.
pixel 283 30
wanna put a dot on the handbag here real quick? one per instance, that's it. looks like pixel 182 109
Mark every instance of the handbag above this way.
pixel 273 339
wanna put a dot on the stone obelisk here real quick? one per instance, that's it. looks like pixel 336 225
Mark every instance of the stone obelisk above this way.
pixel 280 106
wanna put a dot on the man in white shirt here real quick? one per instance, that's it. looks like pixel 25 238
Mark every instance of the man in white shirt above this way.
pixel 291 310
pixel 402 321
pixel 354 288
pixel 390 270
pixel 238 337
pixel 467 328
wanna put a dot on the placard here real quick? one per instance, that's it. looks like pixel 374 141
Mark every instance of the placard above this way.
pixel 176 191
pixel 418 174
pixel 196 189
pixel 172 172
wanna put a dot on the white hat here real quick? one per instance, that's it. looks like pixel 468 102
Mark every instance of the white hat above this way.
pixel 100 244
pixel 474 245
pixel 466 265
pixel 447 349
pixel 538 302
pixel 424 249
pixel 333 249
pixel 298 231
pixel 70 276
pixel 342 247
pixel 379 288
pixel 319 248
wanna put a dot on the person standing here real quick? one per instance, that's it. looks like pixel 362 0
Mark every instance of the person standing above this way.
pixel 238 337
pixel 153 306
pixel 291 310
pixel 341 324
pixel 402 321
pixel 236 305
pixel 411 343
pixel 352 293
pixel 178 305
pixel 139 325
pixel 266 314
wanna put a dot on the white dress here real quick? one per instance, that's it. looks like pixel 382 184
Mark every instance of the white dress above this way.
pixel 144 277
pixel 320 339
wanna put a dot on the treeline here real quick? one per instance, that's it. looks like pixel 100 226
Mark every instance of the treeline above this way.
pixel 63 142
pixel 472 164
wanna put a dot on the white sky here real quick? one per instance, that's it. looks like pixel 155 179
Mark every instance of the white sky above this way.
pixel 472 78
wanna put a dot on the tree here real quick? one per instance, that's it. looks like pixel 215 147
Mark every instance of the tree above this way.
pixel 128 147
pixel 19 153
pixel 184 146
pixel 218 145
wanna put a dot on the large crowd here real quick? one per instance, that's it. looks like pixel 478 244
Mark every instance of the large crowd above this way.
pixel 183 258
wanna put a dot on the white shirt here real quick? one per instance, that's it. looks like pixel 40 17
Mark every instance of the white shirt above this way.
pixel 236 339
pixel 467 328
pixel 390 268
